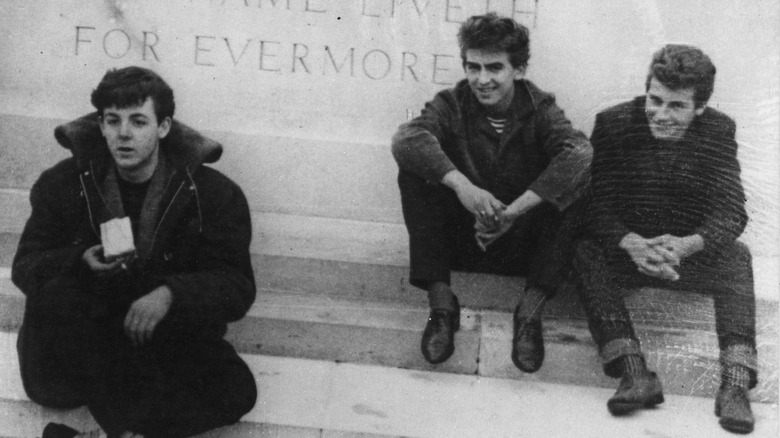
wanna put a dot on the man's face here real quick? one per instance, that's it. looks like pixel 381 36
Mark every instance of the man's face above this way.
pixel 491 78
pixel 133 135
pixel 669 112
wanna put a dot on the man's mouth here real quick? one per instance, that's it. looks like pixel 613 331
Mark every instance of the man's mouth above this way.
pixel 663 125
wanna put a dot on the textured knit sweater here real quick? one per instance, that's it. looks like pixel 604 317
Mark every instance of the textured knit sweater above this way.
pixel 538 149
pixel 651 187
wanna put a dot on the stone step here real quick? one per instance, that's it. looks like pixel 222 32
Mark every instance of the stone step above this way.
pixel 311 272
pixel 311 398
pixel 376 250
pixel 23 419
pixel 388 334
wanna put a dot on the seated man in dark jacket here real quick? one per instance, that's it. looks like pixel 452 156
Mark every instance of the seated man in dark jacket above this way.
pixel 485 172
pixel 136 334
pixel 667 207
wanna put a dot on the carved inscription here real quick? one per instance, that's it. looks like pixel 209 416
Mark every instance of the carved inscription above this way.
pixel 287 55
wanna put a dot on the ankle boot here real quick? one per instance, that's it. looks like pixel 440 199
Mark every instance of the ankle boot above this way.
pixel 438 339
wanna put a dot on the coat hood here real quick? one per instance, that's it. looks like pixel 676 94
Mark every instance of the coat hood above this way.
pixel 184 147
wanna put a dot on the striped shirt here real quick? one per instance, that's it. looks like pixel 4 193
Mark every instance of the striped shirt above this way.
pixel 497 124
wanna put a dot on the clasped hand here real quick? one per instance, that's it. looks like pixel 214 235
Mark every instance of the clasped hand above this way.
pixel 487 231
pixel 659 256
pixel 493 218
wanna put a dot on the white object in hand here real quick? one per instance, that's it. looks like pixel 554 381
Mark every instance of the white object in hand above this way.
pixel 117 237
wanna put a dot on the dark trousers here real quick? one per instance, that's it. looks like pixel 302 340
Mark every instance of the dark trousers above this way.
pixel 73 351
pixel 441 239
pixel 726 274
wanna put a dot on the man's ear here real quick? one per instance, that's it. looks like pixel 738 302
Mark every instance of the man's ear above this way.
pixel 163 128
pixel 698 111
pixel 519 73
pixel 100 123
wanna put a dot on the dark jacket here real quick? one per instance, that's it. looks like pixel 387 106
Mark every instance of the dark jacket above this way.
pixel 653 187
pixel 538 150
pixel 196 241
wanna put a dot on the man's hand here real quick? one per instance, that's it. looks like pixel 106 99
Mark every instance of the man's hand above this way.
pixel 487 233
pixel 648 259
pixel 479 202
pixel 678 247
pixel 145 313
pixel 93 258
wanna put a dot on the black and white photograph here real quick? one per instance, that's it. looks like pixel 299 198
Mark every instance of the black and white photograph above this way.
pixel 389 218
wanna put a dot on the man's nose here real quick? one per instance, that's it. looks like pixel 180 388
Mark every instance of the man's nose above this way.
pixel 484 77
pixel 124 129
pixel 662 112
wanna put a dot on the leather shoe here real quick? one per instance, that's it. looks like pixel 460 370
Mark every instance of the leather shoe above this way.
pixel 635 392
pixel 438 339
pixel 57 430
pixel 733 408
pixel 527 343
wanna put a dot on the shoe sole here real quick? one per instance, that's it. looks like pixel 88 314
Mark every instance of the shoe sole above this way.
pixel 623 408
pixel 522 364
pixel 732 425
pixel 736 426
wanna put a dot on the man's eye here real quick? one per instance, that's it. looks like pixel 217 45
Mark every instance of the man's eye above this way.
pixel 139 123
pixel 112 122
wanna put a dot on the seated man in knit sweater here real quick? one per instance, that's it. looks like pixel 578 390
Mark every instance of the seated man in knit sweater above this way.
pixel 665 210
pixel 485 172
pixel 134 329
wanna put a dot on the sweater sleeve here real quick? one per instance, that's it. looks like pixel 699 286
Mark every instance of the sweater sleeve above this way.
pixel 606 177
pixel 417 144
pixel 727 217
pixel 566 176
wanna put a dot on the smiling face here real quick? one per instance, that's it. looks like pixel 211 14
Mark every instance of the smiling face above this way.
pixel 492 78
pixel 133 135
pixel 669 112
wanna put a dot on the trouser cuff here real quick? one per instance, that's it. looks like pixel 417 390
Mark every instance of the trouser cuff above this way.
pixel 615 349
pixel 742 355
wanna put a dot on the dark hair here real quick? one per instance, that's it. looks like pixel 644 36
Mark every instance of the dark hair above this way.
pixel 495 34
pixel 130 86
pixel 679 66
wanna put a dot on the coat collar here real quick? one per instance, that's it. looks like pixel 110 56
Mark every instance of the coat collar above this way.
pixel 527 95
pixel 185 148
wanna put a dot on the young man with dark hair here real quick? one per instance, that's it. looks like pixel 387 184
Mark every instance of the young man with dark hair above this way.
pixel 666 209
pixel 131 322
pixel 485 172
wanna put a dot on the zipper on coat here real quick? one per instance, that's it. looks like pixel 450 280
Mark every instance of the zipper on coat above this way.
pixel 162 218
pixel 89 206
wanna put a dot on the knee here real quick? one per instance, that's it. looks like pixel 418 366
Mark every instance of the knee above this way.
pixel 740 253
pixel 46 384
pixel 55 398
pixel 732 263
pixel 240 396
pixel 585 253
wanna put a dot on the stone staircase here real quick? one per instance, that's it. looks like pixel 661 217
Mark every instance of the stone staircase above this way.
pixel 333 338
